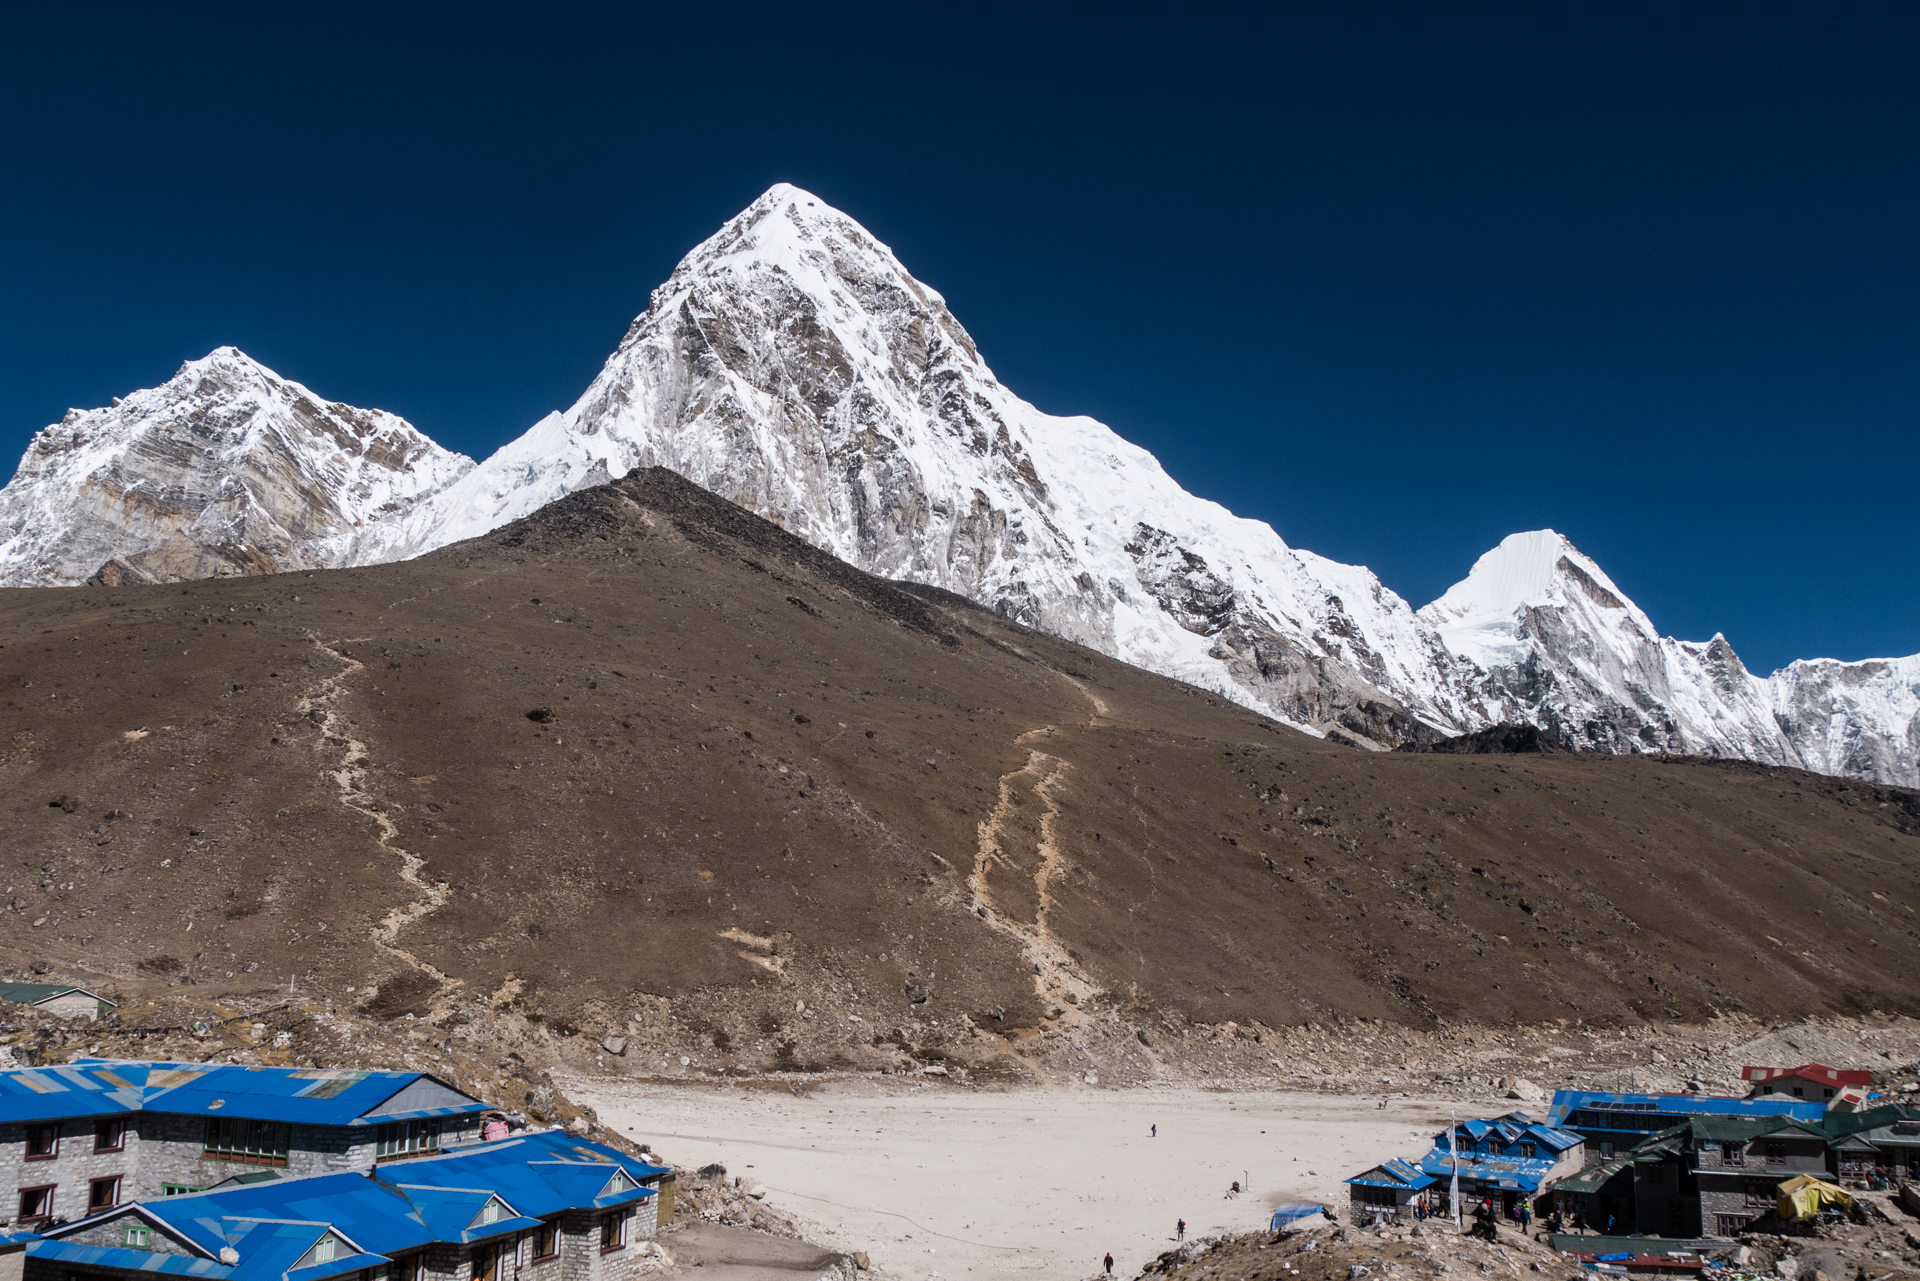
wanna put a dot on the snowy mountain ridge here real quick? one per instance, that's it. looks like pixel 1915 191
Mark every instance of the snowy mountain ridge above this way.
pixel 794 366
pixel 227 468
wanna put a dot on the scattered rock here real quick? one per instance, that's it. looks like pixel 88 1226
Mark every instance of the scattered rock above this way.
pixel 1521 1088
pixel 540 715
pixel 614 1044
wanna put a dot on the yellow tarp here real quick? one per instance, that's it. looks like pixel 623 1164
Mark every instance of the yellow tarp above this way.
pixel 1805 1196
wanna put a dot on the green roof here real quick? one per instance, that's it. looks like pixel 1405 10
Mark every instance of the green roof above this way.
pixel 1594 1177
pixel 1737 1128
pixel 34 993
pixel 1840 1124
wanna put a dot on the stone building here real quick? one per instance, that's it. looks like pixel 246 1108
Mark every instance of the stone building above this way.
pixel 1739 1161
pixel 62 1000
pixel 84 1137
pixel 1508 1160
pixel 541 1207
pixel 1392 1191
pixel 1880 1144
pixel 1814 1082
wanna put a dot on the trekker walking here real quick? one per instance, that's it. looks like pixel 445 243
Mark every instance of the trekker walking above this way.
pixel 1109 1263
pixel 1180 1230
pixel 1153 1131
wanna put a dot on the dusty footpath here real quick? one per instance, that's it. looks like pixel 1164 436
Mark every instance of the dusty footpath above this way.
pixel 938 1180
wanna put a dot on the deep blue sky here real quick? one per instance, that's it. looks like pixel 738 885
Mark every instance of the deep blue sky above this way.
pixel 1399 279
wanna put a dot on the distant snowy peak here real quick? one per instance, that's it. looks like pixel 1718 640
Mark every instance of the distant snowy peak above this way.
pixel 226 468
pixel 1556 643
pixel 1526 569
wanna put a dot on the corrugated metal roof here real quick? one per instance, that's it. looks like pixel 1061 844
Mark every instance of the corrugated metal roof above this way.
pixel 1504 1171
pixel 273 1225
pixel 1566 1102
pixel 1743 1128
pixel 537 1174
pixel 103 1256
pixel 370 1214
pixel 34 993
pixel 1400 1175
pixel 109 1087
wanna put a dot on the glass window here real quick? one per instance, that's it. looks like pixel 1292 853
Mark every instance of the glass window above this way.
pixel 613 1232
pixel 237 1138
pixel 483 1261
pixel 136 1236
pixel 43 1141
pixel 546 1241
pixel 181 1189
pixel 103 1194
pixel 36 1203
pixel 407 1138
pixel 110 1136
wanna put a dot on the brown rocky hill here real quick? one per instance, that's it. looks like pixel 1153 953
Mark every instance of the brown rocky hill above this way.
pixel 644 764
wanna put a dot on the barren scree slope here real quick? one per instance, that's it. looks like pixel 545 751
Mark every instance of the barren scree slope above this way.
pixel 770 786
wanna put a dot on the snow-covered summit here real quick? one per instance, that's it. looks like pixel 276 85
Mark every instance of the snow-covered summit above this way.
pixel 225 468
pixel 793 365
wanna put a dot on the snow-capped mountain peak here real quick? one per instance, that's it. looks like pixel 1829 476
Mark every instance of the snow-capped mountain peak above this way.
pixel 225 468
pixel 1485 616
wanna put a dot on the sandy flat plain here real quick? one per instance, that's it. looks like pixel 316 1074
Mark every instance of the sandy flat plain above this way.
pixel 944 1181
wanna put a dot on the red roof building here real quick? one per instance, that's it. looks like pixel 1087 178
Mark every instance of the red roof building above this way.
pixel 1814 1081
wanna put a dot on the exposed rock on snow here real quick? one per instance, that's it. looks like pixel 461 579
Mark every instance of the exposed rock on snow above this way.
pixel 226 469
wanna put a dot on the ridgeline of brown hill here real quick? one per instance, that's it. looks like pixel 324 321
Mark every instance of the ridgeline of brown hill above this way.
pixel 768 780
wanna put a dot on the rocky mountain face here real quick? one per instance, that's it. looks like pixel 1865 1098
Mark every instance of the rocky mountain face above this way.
pixel 226 469
pixel 792 365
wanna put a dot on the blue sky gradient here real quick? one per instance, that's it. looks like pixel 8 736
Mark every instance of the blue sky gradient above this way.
pixel 1399 279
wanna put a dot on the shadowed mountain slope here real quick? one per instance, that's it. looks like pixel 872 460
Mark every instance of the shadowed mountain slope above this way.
pixel 644 756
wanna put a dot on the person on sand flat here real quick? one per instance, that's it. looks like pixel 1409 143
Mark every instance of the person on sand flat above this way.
pixel 1109 1263
pixel 1180 1230
pixel 1153 1131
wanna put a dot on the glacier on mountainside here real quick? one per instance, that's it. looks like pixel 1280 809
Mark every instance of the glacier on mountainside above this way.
pixel 226 468
pixel 793 365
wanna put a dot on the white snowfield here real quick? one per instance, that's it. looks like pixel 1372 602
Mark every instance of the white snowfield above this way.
pixel 794 366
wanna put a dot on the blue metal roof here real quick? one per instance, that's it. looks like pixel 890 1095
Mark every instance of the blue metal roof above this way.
pixel 1628 1106
pixel 1400 1175
pixel 538 1174
pixel 274 1224
pixel 367 1212
pixel 1522 1173
pixel 128 1260
pixel 17 1238
pixel 110 1087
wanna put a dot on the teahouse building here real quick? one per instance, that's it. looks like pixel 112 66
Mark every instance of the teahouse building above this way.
pixel 84 1137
